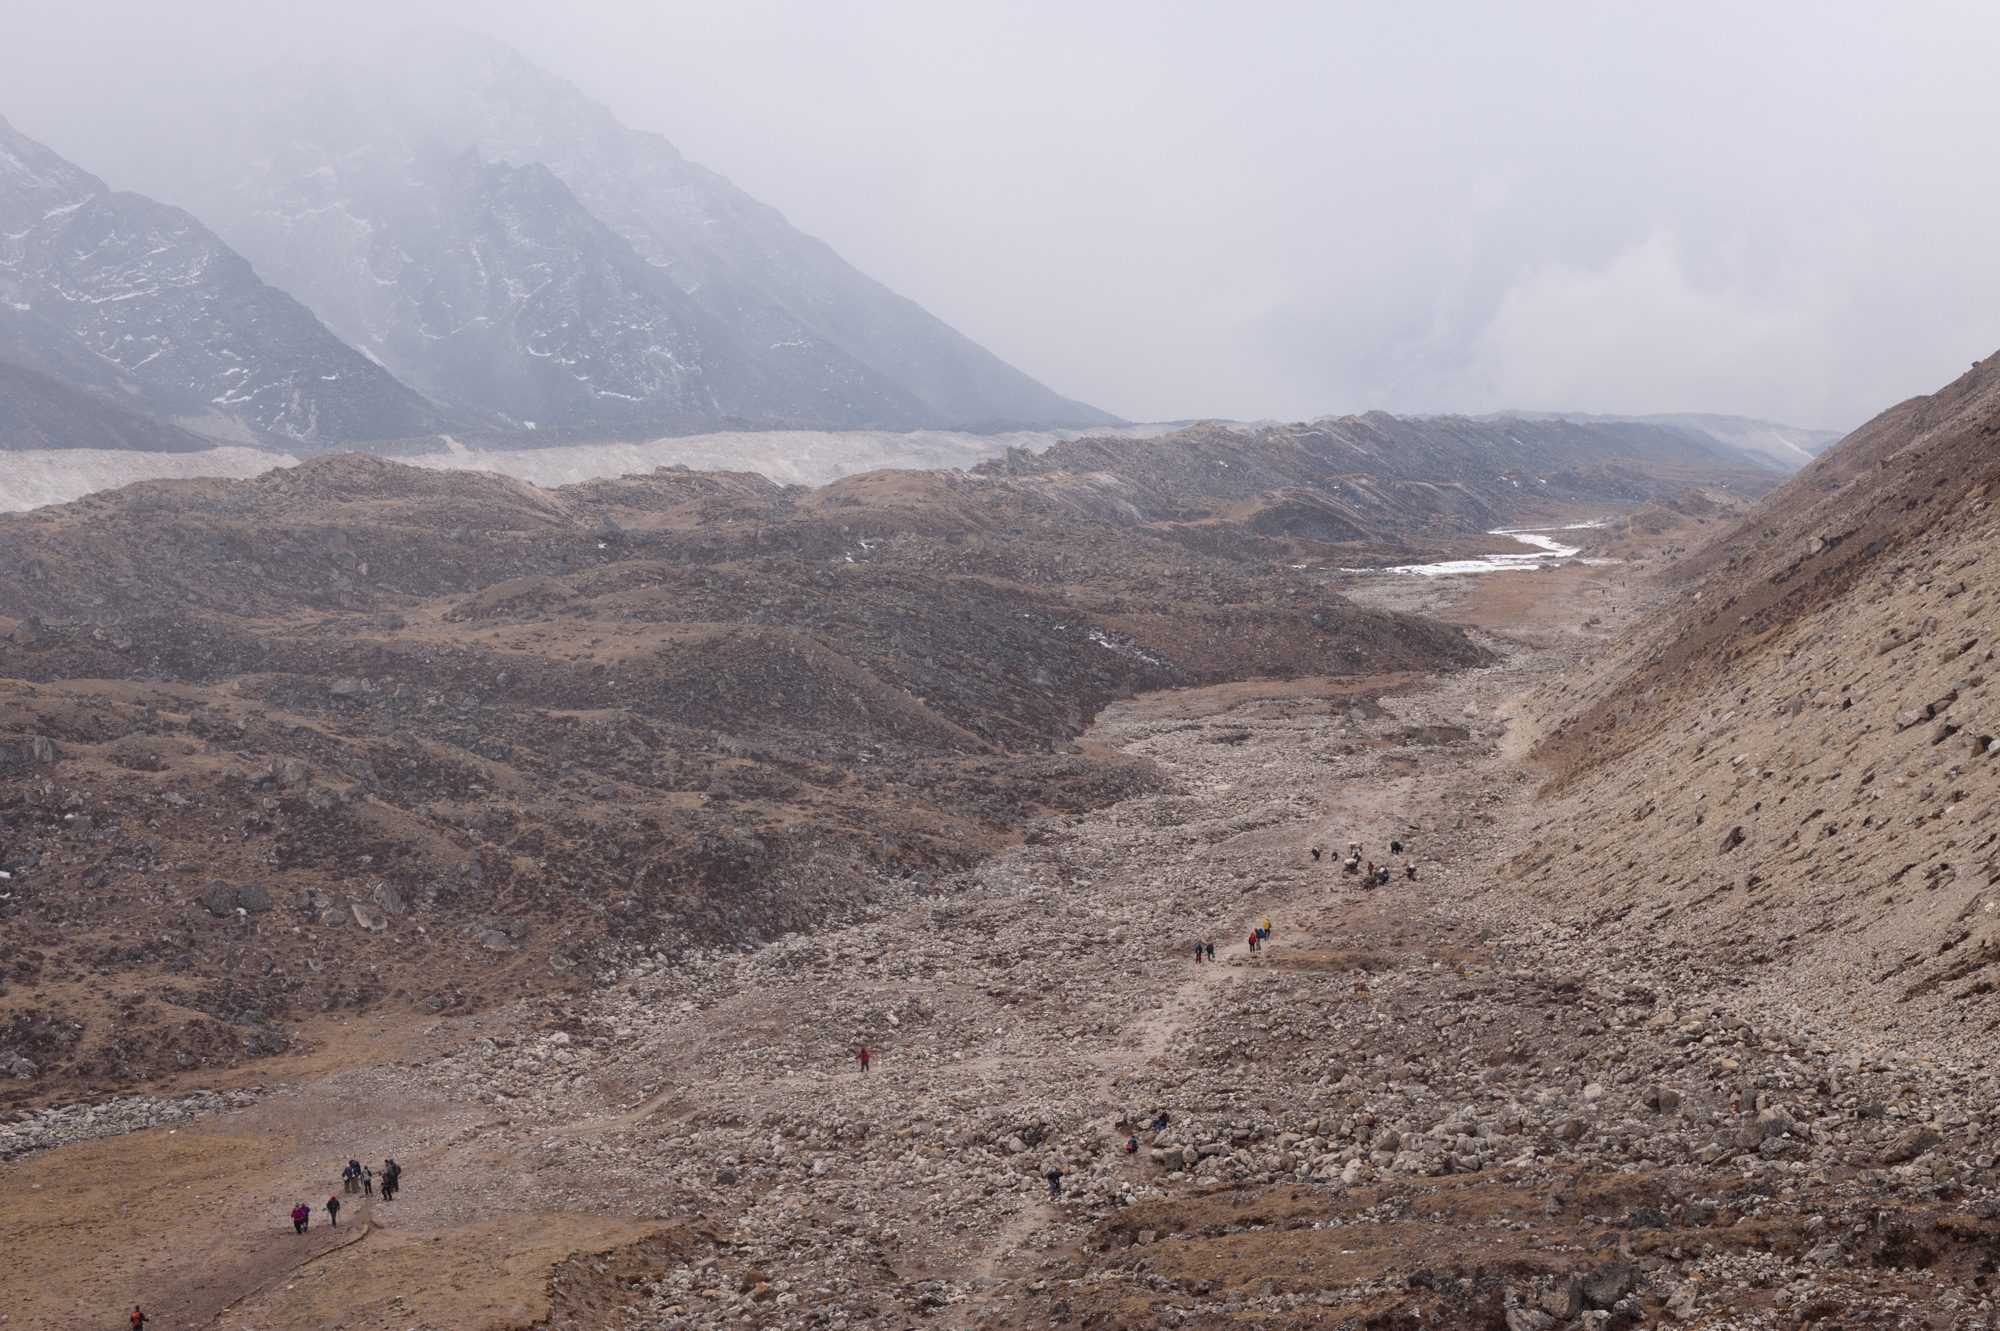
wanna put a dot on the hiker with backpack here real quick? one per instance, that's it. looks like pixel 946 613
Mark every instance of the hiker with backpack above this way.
pixel 301 1217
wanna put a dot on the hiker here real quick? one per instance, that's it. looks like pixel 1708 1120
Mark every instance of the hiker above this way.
pixel 301 1217
pixel 1210 945
pixel 367 1181
pixel 333 1211
pixel 1132 1144
pixel 392 1179
pixel 1315 851
pixel 139 1318
pixel 1267 926
pixel 1197 952
pixel 1253 940
pixel 1054 1176
pixel 1410 870
pixel 350 1177
pixel 861 1055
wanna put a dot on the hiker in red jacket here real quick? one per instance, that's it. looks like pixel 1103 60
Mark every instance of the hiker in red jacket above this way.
pixel 301 1217
pixel 139 1318
pixel 862 1056
pixel 333 1211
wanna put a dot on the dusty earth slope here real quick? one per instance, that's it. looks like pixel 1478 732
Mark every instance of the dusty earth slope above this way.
pixel 1790 776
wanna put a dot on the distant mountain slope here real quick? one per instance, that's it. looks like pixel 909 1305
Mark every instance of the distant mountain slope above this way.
pixel 1389 482
pixel 40 411
pixel 115 291
pixel 1790 772
pixel 505 244
pixel 1788 446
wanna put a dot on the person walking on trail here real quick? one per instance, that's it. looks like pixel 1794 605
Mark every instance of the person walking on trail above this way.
pixel 1253 940
pixel 333 1211
pixel 301 1217
pixel 1267 926
pixel 139 1318
pixel 1210 945
pixel 861 1056
pixel 1054 1176
pixel 1197 952
pixel 1132 1144
pixel 392 1179
pixel 367 1181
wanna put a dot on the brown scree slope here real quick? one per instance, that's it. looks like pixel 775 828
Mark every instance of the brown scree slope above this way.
pixel 1788 779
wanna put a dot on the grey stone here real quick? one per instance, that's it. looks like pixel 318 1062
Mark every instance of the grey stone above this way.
pixel 1911 1145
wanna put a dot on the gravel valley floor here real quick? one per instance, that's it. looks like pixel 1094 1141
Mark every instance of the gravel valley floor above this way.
pixel 1419 1105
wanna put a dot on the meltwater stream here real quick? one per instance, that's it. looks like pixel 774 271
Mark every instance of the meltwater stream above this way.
pixel 1546 547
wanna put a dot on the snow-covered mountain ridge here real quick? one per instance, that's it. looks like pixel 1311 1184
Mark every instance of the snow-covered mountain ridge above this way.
pixel 114 292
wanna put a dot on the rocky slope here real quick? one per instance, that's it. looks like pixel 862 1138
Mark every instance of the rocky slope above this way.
pixel 1791 776
pixel 357 733
pixel 115 292
pixel 1787 447
pixel 39 411
pixel 1379 489
pixel 1405 1111
pixel 502 242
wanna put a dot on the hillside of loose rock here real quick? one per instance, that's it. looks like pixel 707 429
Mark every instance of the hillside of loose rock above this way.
pixel 1406 1110
pixel 358 734
pixel 1790 776
pixel 1379 489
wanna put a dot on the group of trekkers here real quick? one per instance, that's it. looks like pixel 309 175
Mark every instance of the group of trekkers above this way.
pixel 1373 875
pixel 1204 948
pixel 1054 1174
pixel 355 1177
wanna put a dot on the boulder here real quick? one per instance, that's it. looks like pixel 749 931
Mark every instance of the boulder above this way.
pixel 1911 1145
pixel 1609 1283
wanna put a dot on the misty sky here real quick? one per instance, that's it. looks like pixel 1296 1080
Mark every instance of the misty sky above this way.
pixel 1283 209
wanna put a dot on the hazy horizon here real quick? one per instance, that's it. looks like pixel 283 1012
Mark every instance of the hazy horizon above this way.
pixel 1283 210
